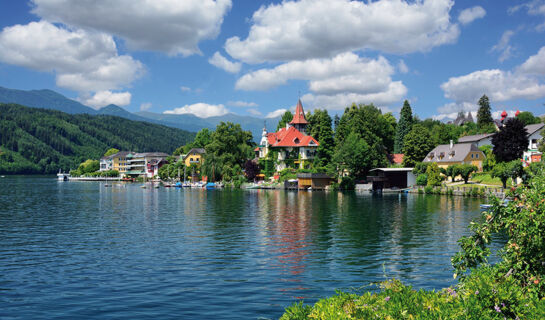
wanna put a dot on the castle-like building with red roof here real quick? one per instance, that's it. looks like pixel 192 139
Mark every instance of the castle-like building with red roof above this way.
pixel 292 142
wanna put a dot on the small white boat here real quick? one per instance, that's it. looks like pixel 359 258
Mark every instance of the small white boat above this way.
pixel 61 176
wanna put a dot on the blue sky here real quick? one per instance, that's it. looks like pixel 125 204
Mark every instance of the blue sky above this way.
pixel 257 57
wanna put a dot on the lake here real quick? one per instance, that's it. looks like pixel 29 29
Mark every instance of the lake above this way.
pixel 82 250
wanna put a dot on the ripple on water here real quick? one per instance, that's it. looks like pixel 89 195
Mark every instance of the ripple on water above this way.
pixel 81 250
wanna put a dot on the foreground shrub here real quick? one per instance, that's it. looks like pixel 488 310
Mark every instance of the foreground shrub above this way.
pixel 513 288
pixel 480 297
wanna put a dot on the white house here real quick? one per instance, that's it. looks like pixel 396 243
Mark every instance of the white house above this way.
pixel 534 136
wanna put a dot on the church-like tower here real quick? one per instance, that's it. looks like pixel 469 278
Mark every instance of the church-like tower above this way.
pixel 299 121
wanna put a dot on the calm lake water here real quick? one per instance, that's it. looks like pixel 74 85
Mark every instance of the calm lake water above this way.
pixel 80 250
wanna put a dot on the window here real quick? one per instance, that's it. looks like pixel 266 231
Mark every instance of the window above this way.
pixel 472 155
pixel 477 156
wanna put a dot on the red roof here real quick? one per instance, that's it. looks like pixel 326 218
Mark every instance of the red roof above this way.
pixel 256 149
pixel 290 137
pixel 396 158
pixel 299 115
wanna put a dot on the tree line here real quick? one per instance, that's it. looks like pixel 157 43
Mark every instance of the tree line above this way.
pixel 44 141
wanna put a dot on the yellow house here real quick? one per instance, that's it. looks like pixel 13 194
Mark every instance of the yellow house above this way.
pixel 120 162
pixel 194 156
pixel 461 153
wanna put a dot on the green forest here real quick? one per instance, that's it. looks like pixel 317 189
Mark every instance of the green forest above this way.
pixel 44 141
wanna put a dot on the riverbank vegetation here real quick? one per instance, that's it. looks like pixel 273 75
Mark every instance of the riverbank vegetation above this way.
pixel 511 288
pixel 44 141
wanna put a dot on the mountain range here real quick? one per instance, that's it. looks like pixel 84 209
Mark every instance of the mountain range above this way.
pixel 49 99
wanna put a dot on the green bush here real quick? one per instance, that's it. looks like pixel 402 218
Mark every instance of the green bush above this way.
pixel 481 297
pixel 422 179
pixel 428 189
pixel 420 191
pixel 434 175
pixel 347 183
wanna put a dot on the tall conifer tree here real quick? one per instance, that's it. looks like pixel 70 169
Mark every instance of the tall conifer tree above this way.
pixel 403 126
pixel 484 115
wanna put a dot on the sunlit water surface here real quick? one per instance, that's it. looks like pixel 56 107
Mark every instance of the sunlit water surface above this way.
pixel 81 250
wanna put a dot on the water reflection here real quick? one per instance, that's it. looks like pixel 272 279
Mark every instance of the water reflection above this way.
pixel 68 248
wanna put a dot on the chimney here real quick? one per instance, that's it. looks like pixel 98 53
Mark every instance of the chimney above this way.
pixel 451 144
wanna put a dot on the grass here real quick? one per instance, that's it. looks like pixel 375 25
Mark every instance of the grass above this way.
pixel 485 178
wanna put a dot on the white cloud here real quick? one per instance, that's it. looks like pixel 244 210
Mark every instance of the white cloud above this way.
pixel 242 104
pixel 402 67
pixel 534 8
pixel 297 30
pixel 221 62
pixel 145 106
pixel 171 26
pixel 254 112
pixel 276 113
pixel 471 14
pixel 335 83
pixel 535 64
pixel 498 85
pixel 523 82
pixel 394 92
pixel 185 89
pixel 201 110
pixel 503 47
pixel 104 98
pixel 497 114
pixel 82 61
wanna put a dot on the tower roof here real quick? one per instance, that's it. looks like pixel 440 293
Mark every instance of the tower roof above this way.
pixel 299 115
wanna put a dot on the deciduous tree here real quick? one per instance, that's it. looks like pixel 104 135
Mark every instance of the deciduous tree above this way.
pixel 511 141
pixel 418 144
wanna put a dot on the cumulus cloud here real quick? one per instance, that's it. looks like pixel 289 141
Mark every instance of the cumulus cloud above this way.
pixel 535 64
pixel 145 106
pixel 276 113
pixel 394 92
pixel 174 27
pixel 335 82
pixel 201 110
pixel 223 63
pixel 104 98
pixel 503 47
pixel 296 30
pixel 523 82
pixel 471 14
pixel 82 61
pixel 497 84
pixel 242 104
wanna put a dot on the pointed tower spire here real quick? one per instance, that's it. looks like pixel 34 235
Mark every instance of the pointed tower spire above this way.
pixel 299 115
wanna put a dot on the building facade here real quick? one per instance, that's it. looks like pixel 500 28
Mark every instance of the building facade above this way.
pixel 461 153
pixel 290 146
pixel 134 164
pixel 194 156
pixel 534 137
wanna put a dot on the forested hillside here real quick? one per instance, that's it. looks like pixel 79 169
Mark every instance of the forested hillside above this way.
pixel 44 141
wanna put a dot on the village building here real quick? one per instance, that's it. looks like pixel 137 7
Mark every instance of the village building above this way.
pixel 478 139
pixel 462 119
pixel 534 137
pixel 195 156
pixel 392 178
pixel 294 148
pixel 134 164
pixel 461 153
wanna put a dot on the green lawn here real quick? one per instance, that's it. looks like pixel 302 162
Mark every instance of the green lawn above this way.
pixel 485 178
